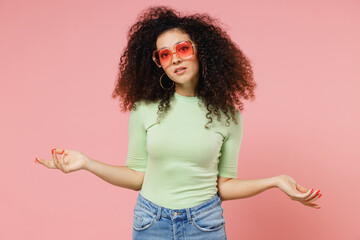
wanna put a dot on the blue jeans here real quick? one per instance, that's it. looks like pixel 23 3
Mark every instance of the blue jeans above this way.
pixel 201 222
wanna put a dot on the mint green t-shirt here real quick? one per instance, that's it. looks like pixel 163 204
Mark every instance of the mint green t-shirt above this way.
pixel 181 158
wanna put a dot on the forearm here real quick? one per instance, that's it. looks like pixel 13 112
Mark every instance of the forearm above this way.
pixel 121 176
pixel 241 188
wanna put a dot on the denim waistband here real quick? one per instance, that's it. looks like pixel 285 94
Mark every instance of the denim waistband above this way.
pixel 185 213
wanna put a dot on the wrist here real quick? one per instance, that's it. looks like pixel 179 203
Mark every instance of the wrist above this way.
pixel 277 180
pixel 87 163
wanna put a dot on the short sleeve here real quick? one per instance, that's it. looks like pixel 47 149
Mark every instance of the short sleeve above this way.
pixel 228 160
pixel 137 154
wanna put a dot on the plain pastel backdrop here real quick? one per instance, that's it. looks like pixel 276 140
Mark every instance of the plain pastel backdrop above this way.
pixel 58 65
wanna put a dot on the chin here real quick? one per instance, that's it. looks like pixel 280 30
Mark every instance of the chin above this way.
pixel 181 80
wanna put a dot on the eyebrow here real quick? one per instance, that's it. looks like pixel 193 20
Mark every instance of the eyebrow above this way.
pixel 173 44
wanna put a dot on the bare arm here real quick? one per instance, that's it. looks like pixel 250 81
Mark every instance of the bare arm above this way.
pixel 233 188
pixel 121 176
pixel 73 160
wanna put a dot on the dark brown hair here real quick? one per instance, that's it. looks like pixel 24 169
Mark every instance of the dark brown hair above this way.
pixel 227 78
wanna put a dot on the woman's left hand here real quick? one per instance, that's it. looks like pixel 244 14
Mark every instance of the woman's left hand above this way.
pixel 297 192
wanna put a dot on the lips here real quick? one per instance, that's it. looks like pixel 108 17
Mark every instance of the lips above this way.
pixel 179 68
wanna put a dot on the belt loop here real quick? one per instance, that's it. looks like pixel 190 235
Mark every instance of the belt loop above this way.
pixel 158 215
pixel 188 215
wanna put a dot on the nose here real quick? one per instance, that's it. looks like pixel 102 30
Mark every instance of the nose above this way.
pixel 175 58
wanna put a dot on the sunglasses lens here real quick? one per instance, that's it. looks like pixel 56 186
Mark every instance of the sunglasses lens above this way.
pixel 163 57
pixel 184 50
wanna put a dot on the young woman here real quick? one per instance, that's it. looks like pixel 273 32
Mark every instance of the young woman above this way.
pixel 177 74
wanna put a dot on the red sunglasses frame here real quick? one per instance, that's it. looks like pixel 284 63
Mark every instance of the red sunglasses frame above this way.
pixel 174 51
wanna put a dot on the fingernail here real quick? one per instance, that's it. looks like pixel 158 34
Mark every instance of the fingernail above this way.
pixel 36 160
pixel 311 191
pixel 52 151
pixel 319 196
pixel 63 151
pixel 318 192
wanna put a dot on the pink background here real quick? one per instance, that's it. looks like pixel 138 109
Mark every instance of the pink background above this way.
pixel 58 63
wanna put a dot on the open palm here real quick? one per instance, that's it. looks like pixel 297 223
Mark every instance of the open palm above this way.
pixel 297 192
pixel 69 160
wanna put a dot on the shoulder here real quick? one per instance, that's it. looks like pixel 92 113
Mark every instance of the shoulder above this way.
pixel 237 116
pixel 144 112
pixel 234 130
pixel 143 105
pixel 239 120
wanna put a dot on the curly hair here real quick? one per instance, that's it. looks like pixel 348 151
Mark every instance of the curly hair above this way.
pixel 228 74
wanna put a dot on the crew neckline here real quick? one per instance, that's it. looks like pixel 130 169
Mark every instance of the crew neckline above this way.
pixel 185 98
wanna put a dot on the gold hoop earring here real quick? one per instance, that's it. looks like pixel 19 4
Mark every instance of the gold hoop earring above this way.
pixel 162 85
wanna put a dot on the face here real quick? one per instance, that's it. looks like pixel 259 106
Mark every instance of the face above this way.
pixel 185 80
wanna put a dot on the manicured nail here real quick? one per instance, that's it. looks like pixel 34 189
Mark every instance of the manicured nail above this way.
pixel 318 192
pixel 52 151
pixel 319 196
pixel 63 151
pixel 36 160
pixel 311 191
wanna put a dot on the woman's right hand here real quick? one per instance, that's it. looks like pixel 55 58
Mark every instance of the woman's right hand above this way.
pixel 69 161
